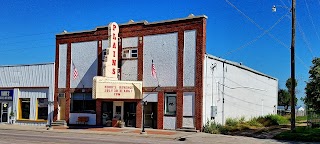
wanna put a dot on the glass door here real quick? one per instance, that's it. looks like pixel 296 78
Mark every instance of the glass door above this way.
pixel 151 115
pixel 4 112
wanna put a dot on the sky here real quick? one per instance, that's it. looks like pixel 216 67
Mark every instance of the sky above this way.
pixel 242 31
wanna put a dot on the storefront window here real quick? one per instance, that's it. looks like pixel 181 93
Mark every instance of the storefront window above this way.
pixel 82 103
pixel 170 104
pixel 43 108
pixel 25 108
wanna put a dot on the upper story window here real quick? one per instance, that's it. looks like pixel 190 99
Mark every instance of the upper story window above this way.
pixel 129 52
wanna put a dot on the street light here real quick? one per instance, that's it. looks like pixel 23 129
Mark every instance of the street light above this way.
pixel 293 32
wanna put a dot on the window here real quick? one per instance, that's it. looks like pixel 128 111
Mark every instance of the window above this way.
pixel 170 104
pixel 43 108
pixel 82 103
pixel 130 52
pixel 24 108
pixel 134 53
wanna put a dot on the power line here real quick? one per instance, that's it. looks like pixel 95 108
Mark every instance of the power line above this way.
pixel 249 89
pixel 305 38
pixel 254 40
pixel 272 36
pixel 310 17
pixel 246 101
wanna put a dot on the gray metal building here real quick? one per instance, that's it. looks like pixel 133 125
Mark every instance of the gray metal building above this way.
pixel 26 93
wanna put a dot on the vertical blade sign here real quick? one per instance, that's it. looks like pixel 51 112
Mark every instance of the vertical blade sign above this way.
pixel 111 65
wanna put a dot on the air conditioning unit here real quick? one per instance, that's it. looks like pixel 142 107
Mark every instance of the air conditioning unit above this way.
pixel 62 95
pixel 125 55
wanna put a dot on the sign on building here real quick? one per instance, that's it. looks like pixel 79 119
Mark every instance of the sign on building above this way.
pixel 6 95
pixel 106 89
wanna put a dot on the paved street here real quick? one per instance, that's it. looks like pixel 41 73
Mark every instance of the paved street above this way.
pixel 52 137
pixel 22 134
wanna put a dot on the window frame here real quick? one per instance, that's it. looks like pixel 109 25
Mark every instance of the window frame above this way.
pixel 84 103
pixel 166 97
pixel 21 101
pixel 37 109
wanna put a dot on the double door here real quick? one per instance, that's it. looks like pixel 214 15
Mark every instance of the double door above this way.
pixel 4 112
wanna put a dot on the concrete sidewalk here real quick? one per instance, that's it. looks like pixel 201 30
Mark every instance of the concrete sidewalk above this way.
pixel 150 133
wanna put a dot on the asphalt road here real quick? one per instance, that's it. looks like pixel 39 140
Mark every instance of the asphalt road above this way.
pixel 32 137
pixel 49 137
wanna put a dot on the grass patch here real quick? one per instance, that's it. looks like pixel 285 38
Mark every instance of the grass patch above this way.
pixel 302 134
pixel 301 118
pixel 271 120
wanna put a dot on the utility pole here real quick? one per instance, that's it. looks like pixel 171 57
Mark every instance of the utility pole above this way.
pixel 293 81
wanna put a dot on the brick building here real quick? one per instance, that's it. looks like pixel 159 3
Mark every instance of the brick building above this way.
pixel 176 47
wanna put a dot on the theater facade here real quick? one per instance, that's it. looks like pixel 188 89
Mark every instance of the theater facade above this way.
pixel 103 75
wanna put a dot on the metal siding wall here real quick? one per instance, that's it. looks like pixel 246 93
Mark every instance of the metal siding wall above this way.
pixel 62 65
pixel 189 58
pixel 244 92
pixel 129 70
pixel 130 42
pixel 84 56
pixel 27 75
pixel 162 49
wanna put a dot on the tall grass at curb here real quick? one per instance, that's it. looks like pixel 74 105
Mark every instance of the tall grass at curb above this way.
pixel 239 124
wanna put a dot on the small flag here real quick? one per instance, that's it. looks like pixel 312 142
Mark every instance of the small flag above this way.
pixel 75 71
pixel 153 71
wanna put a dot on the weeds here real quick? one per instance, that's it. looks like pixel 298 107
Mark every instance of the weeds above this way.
pixel 234 124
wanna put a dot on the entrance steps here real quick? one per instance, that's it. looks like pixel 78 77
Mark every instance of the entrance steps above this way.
pixel 59 123
pixel 187 129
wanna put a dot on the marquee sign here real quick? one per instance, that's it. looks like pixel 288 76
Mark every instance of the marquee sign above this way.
pixel 111 64
pixel 6 95
pixel 106 89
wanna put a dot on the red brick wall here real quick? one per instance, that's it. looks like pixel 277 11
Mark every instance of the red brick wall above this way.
pixel 68 94
pixel 56 92
pixel 160 110
pixel 139 115
pixel 141 30
pixel 98 112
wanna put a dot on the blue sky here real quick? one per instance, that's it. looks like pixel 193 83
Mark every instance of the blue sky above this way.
pixel 242 31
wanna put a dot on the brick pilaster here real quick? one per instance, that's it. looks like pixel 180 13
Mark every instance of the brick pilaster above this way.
pixel 160 110
pixel 179 113
pixel 138 115
pixel 98 112
pixel 68 94
pixel 56 81
pixel 140 58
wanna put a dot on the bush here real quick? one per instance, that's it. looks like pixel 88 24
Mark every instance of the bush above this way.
pixel 254 123
pixel 232 122
pixel 212 128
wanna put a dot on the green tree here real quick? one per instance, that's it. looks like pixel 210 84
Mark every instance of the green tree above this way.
pixel 284 96
pixel 312 99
